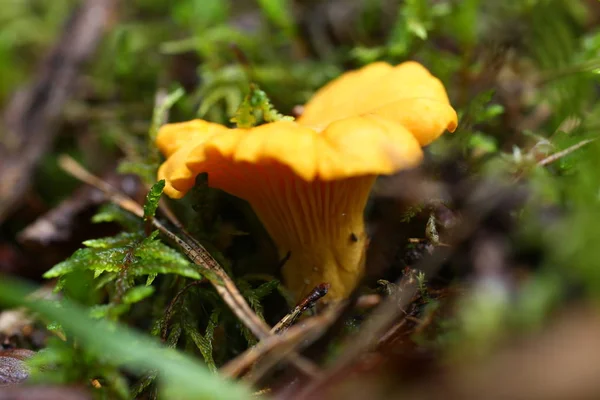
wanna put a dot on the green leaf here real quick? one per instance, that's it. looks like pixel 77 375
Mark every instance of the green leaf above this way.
pixel 200 15
pixel 255 295
pixel 152 199
pixel 157 258
pixel 464 21
pixel 244 116
pixel 204 343
pixel 113 213
pixel 112 254
pixel 181 377
pixel 150 238
pixel 95 260
pixel 111 311
pixel 144 169
pixel 257 101
pixel 120 240
pixel 137 294
pixel 151 278
pixel 482 144
pixel 417 28
pixel 279 12
pixel 266 288
pixel 105 279
pixel 414 21
pixel 161 109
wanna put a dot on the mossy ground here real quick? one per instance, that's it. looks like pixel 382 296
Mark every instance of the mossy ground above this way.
pixel 504 251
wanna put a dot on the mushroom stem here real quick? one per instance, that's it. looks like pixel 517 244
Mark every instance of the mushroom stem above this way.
pixel 321 224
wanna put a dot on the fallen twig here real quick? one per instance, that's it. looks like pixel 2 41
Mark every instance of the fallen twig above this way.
pixel 312 327
pixel 556 156
pixel 315 295
pixel 288 334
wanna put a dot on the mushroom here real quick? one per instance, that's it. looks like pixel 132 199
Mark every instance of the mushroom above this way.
pixel 308 180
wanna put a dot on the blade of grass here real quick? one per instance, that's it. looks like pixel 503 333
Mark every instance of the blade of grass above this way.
pixel 181 376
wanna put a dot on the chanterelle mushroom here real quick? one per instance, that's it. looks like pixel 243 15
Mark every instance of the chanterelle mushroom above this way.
pixel 308 180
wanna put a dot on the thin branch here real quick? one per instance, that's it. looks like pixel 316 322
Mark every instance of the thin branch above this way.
pixel 308 302
pixel 556 156
pixel 296 334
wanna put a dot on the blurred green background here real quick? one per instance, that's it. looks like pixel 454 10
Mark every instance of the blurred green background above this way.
pixel 523 76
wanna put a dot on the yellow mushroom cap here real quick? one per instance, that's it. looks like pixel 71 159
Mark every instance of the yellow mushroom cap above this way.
pixel 308 180
pixel 354 146
pixel 407 94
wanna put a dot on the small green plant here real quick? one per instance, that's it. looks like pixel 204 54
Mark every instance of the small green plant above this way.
pixel 121 263
pixel 257 102
pixel 108 346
